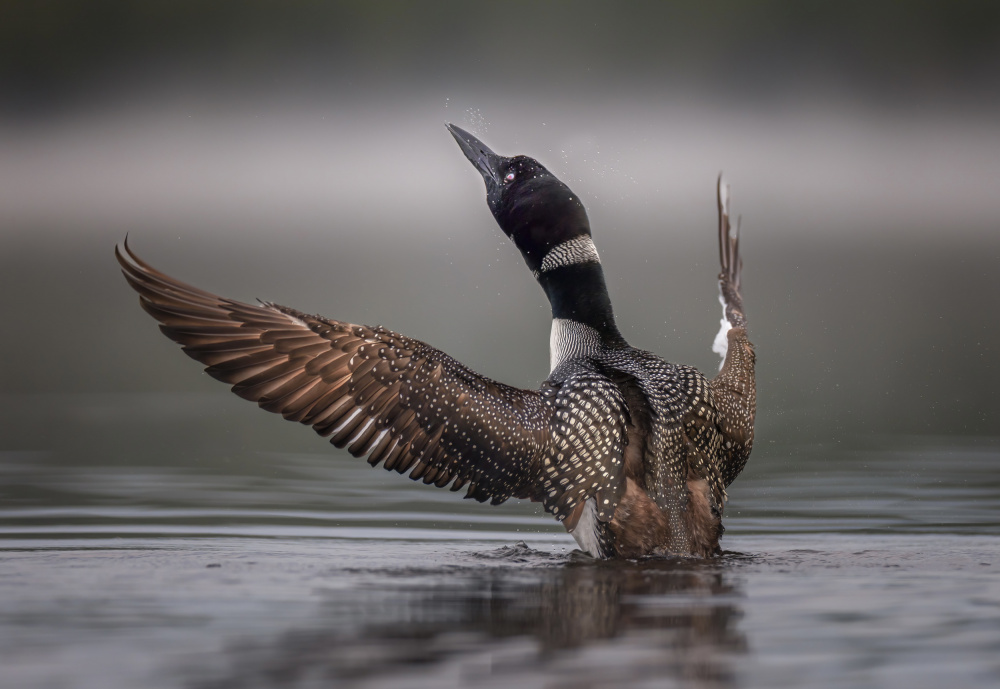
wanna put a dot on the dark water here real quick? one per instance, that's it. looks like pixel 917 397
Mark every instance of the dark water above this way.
pixel 875 565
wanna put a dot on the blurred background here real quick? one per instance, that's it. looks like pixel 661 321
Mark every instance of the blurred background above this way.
pixel 296 152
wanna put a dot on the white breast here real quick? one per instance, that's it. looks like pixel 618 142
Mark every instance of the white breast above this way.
pixel 585 533
pixel 570 339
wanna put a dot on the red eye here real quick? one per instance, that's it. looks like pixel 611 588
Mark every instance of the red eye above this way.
pixel 509 177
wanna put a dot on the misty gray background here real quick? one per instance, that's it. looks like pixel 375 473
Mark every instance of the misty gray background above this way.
pixel 296 152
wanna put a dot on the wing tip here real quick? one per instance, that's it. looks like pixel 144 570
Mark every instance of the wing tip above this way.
pixel 722 191
pixel 730 260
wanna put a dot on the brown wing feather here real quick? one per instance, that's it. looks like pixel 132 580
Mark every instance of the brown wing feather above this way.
pixel 400 401
pixel 734 389
pixel 729 257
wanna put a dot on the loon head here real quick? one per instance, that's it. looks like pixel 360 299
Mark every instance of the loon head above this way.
pixel 536 210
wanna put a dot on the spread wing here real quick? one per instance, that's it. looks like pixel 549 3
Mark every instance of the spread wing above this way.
pixel 401 402
pixel 734 389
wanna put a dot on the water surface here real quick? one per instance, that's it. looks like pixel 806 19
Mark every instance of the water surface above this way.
pixel 868 566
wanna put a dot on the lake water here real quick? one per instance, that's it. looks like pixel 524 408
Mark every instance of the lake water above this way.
pixel 216 566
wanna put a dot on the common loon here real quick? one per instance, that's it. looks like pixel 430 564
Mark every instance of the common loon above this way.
pixel 631 453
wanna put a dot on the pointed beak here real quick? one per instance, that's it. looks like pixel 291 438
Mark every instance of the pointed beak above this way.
pixel 478 153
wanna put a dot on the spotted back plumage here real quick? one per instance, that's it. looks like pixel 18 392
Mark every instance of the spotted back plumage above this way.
pixel 683 435
pixel 675 420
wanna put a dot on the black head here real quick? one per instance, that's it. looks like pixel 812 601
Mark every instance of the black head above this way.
pixel 530 204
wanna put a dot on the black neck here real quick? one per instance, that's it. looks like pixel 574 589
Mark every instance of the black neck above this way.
pixel 578 292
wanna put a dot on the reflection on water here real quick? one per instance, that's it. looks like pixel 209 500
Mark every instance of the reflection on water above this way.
pixel 582 624
pixel 843 610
